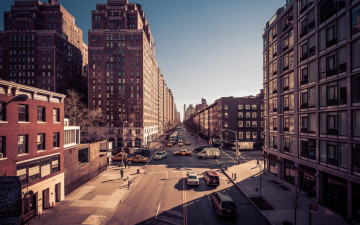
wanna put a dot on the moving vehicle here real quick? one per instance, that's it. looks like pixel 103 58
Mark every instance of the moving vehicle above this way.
pixel 138 158
pixel 119 156
pixel 199 148
pixel 160 155
pixel 182 152
pixel 187 142
pixel 223 204
pixel 211 178
pixel 174 137
pixel 169 144
pixel 247 145
pixel 209 153
pixel 192 179
pixel 180 143
pixel 143 152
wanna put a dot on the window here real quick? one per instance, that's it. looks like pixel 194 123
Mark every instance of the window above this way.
pixel 333 93
pixel 273 105
pixel 254 124
pixel 333 123
pixel 41 114
pixel 289 171
pixel 254 114
pixel 254 135
pixel 333 153
pixel 23 113
pixel 355 21
pixel 332 33
pixel 41 142
pixel 56 140
pixel 288 40
pixel 240 107
pixel 355 54
pixel 253 107
pixel 226 115
pixel 273 86
pixel 226 124
pixel 288 144
pixel 247 135
pixel 307 24
pixel 272 51
pixel 22 144
pixel 2 111
pixel 356 123
pixel 356 158
pixel 307 98
pixel 288 123
pixel 34 171
pixel 308 148
pixel 288 102
pixel 328 8
pixel 56 115
pixel 288 60
pixel 247 115
pixel 288 20
pixel 248 107
pixel 226 107
pixel 241 135
pixel 308 123
pixel 2 147
pixel 247 123
pixel 288 82
pixel 304 5
pixel 240 115
pixel 83 155
pixel 355 84
pixel 272 34
pixel 240 123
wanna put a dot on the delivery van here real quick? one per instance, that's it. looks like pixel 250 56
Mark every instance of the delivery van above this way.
pixel 209 153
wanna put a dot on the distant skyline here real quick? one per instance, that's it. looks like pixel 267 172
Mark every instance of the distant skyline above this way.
pixel 205 48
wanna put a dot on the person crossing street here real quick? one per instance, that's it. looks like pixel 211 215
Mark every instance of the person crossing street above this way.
pixel 122 172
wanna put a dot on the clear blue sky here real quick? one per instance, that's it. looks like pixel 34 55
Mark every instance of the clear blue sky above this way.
pixel 205 48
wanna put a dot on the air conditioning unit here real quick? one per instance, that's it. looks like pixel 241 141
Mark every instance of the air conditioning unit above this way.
pixel 1 155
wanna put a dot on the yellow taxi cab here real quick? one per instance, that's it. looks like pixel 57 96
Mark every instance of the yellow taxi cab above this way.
pixel 138 158
pixel 187 142
pixel 169 144
pixel 183 152
pixel 119 156
pixel 180 144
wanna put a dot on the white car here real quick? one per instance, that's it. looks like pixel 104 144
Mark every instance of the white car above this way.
pixel 160 155
pixel 192 179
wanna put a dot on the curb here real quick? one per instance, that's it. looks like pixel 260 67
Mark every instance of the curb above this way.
pixel 239 188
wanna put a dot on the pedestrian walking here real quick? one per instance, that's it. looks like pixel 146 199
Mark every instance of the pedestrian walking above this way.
pixel 122 172
pixel 125 163
pixel 129 163
pixel 129 182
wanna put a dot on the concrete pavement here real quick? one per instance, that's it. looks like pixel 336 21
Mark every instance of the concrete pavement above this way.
pixel 92 202
pixel 280 196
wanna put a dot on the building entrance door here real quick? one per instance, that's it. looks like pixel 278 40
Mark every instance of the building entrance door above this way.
pixel 46 198
pixel 58 192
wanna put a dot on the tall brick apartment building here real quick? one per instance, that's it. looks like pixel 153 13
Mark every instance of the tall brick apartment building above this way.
pixel 124 77
pixel 312 100
pixel 31 144
pixel 243 115
pixel 41 46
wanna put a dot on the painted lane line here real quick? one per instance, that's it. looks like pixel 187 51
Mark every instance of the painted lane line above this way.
pixel 210 200
pixel 228 155
pixel 157 212
pixel 151 157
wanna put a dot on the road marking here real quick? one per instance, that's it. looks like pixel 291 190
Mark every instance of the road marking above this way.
pixel 157 212
pixel 228 155
pixel 151 157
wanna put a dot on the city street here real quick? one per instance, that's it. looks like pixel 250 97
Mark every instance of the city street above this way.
pixel 161 195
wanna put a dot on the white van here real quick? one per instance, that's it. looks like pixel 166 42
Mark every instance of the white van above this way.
pixel 209 153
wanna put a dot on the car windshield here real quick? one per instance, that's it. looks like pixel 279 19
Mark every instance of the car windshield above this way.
pixel 214 177
pixel 228 205
pixel 192 177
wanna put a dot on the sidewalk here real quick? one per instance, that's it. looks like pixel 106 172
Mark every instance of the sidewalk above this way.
pixel 92 202
pixel 280 196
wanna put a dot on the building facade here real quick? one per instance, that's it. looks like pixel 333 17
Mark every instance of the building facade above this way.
pixel 312 106
pixel 41 46
pixel 230 116
pixel 189 111
pixel 124 80
pixel 31 144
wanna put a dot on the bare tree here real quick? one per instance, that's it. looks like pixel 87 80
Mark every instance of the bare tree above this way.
pixel 296 195
pixel 91 122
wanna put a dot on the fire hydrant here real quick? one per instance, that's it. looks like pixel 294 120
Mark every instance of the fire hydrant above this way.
pixel 52 205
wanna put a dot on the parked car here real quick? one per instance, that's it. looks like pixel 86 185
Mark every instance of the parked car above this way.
pixel 192 179
pixel 223 204
pixel 143 152
pixel 138 158
pixel 187 142
pixel 160 155
pixel 209 153
pixel 180 143
pixel 119 156
pixel 211 178
pixel 182 152
pixel 199 148
pixel 169 144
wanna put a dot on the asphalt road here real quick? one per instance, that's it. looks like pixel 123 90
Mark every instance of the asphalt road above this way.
pixel 161 196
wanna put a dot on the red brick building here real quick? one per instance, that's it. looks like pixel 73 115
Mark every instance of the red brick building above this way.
pixel 41 46
pixel 31 144
pixel 124 78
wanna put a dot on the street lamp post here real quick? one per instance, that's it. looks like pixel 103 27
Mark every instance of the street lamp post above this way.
pixel 18 98
pixel 122 146
pixel 236 144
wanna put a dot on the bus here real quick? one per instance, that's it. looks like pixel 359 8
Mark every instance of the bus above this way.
pixel 174 137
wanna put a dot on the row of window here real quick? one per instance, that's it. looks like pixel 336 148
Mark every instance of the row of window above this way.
pixel 331 153
pixel 246 135
pixel 247 115
pixel 23 113
pixel 247 107
pixel 252 124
